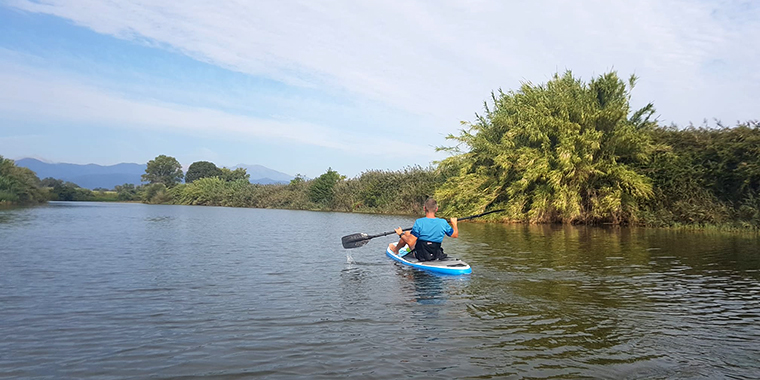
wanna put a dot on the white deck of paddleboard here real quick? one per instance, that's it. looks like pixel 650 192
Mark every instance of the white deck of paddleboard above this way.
pixel 450 264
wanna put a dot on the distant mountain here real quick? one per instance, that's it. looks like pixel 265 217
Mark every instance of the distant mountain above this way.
pixel 264 175
pixel 89 176
pixel 93 176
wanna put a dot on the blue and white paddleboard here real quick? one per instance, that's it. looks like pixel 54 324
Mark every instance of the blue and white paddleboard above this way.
pixel 448 265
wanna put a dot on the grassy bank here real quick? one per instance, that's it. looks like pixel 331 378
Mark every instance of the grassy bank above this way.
pixel 376 191
pixel 566 151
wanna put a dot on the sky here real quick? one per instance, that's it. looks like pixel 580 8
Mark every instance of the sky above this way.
pixel 303 86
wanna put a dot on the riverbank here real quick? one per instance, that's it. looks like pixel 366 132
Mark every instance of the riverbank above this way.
pixel 734 227
pixel 565 152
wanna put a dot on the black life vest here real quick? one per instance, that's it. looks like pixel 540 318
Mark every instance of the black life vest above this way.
pixel 428 250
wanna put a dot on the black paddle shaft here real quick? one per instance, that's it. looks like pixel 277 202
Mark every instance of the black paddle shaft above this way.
pixel 360 239
pixel 479 215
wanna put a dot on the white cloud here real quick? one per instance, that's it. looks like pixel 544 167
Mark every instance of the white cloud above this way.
pixel 35 95
pixel 441 59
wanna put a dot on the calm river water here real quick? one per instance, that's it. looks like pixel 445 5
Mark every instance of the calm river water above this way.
pixel 92 290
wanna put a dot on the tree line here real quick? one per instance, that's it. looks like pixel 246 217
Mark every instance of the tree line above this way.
pixel 19 185
pixel 566 151
pixel 208 185
pixel 570 151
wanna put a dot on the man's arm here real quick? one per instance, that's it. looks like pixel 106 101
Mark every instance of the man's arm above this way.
pixel 454 226
pixel 400 233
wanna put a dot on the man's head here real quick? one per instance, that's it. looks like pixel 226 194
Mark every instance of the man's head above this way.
pixel 431 205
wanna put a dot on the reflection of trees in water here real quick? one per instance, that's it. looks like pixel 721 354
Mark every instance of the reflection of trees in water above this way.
pixel 553 340
pixel 610 296
pixel 554 245
pixel 18 215
pixel 561 291
pixel 603 250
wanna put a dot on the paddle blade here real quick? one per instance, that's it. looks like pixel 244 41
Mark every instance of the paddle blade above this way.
pixel 355 240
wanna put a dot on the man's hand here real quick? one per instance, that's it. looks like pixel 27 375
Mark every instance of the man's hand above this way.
pixel 453 221
pixel 399 231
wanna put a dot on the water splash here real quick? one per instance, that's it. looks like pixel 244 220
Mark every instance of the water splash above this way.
pixel 349 258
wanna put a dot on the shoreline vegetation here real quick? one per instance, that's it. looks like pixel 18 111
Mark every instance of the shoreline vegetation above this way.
pixel 566 151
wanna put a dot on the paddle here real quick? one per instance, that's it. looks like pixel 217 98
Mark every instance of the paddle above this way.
pixel 360 239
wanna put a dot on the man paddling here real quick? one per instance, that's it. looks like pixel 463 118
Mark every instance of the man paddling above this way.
pixel 427 234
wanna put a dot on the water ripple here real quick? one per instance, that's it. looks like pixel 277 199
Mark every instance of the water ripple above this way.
pixel 165 292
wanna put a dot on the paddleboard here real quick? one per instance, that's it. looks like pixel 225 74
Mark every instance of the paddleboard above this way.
pixel 448 265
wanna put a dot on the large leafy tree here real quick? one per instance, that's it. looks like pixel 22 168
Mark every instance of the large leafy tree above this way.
pixel 321 189
pixel 566 151
pixel 18 184
pixel 202 169
pixel 234 175
pixel 126 192
pixel 163 169
pixel 51 182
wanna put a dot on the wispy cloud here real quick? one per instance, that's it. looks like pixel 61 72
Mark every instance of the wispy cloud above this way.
pixel 36 95
pixel 440 59
pixel 364 85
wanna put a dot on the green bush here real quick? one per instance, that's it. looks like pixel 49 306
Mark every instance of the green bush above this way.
pixel 128 192
pixel 156 193
pixel 202 169
pixel 705 176
pixel 404 192
pixel 566 151
pixel 321 189
pixel 19 185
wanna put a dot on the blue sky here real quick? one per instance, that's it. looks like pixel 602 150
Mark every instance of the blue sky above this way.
pixel 303 86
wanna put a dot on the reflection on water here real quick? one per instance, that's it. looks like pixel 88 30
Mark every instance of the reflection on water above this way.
pixel 128 290
pixel 428 287
pixel 640 303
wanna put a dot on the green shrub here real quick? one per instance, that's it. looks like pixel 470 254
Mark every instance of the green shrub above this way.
pixel 19 185
pixel 565 152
